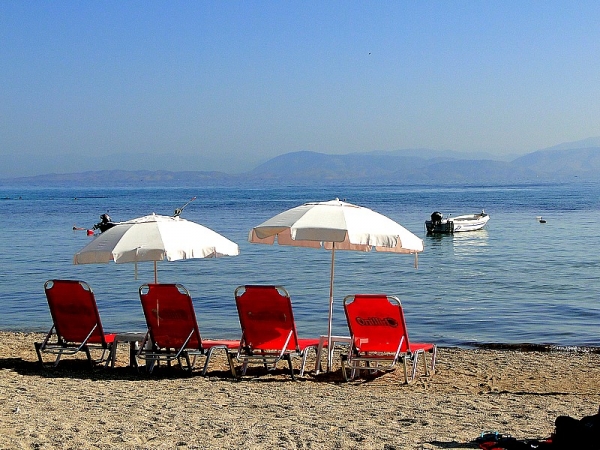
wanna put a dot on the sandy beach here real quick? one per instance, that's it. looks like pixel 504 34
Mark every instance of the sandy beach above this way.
pixel 76 407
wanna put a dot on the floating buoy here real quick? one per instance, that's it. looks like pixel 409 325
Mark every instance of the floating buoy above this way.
pixel 90 232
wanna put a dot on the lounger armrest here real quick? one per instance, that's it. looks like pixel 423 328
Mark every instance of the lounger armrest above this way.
pixel 187 340
pixel 144 343
pixel 358 343
pixel 399 348
pixel 287 341
pixel 89 334
pixel 241 347
pixel 48 336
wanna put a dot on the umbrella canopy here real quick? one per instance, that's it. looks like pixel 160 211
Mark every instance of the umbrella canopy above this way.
pixel 154 238
pixel 336 225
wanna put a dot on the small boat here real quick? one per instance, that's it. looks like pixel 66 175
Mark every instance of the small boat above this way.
pixel 447 225
pixel 105 223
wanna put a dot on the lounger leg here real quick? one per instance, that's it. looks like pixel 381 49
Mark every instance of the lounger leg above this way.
pixel 349 365
pixel 150 365
pixel 89 356
pixel 289 358
pixel 57 359
pixel 231 365
pixel 38 350
pixel 319 354
pixel 415 364
pixel 39 346
pixel 112 355
pixel 433 358
pixel 208 355
pixel 304 357
pixel 355 366
pixel 303 363
pixel 344 368
pixel 103 357
pixel 405 370
pixel 187 361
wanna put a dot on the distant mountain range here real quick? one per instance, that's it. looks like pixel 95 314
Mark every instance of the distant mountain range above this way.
pixel 578 161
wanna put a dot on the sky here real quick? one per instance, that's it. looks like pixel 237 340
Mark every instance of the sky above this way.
pixel 227 85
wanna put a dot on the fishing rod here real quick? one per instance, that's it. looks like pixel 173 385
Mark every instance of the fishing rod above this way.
pixel 178 211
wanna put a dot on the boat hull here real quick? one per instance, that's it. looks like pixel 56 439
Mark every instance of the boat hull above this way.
pixel 458 224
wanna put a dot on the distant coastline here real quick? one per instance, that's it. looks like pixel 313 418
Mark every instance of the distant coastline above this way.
pixel 555 165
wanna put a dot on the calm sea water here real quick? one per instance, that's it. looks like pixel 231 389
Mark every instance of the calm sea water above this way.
pixel 518 281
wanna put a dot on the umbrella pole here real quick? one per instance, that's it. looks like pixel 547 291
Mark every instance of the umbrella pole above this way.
pixel 329 355
pixel 155 274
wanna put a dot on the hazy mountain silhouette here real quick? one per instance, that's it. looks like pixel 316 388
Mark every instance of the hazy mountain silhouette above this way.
pixel 565 162
pixel 388 168
pixel 561 164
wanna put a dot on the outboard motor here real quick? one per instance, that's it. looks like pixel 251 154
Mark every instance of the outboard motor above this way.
pixel 104 224
pixel 436 217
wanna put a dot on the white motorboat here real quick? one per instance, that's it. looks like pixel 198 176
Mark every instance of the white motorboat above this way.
pixel 467 222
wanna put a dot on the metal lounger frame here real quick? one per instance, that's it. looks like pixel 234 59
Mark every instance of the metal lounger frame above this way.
pixel 354 363
pixel 271 358
pixel 153 356
pixel 61 347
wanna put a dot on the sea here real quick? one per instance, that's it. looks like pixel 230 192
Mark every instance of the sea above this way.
pixel 516 282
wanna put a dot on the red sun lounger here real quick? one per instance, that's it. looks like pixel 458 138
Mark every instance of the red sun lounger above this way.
pixel 76 322
pixel 268 328
pixel 173 332
pixel 380 338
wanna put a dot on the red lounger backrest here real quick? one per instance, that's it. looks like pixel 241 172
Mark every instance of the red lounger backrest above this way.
pixel 74 312
pixel 266 317
pixel 170 315
pixel 376 322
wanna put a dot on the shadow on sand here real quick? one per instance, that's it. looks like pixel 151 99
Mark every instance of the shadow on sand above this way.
pixel 81 369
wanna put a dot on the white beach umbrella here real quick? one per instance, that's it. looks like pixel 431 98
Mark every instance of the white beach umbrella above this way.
pixel 154 238
pixel 336 225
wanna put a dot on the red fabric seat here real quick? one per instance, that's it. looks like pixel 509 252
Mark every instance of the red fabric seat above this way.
pixel 268 328
pixel 76 322
pixel 173 332
pixel 380 337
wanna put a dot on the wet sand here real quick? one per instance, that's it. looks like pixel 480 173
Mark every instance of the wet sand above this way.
pixel 73 406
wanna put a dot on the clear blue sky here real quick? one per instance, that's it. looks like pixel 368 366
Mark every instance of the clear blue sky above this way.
pixel 219 85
